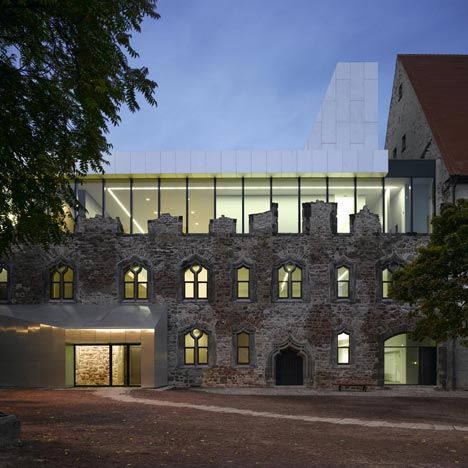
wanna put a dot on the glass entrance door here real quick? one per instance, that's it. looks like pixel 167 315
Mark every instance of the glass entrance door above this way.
pixel 107 365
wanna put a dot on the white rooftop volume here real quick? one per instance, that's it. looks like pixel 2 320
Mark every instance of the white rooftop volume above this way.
pixel 343 140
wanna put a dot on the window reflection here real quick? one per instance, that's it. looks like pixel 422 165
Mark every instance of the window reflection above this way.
pixel 117 203
pixel 145 203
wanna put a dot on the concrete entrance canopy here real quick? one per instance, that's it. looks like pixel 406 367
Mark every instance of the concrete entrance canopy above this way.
pixel 36 340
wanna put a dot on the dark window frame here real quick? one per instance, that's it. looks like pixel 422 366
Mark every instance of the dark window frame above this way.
pixel 400 91
pixel 135 282
pixel 61 282
pixel 196 282
pixel 403 143
pixel 248 282
pixel 395 153
pixel 383 282
pixel 6 297
pixel 338 282
pixel 240 347
pixel 196 347
pixel 291 282
pixel 338 347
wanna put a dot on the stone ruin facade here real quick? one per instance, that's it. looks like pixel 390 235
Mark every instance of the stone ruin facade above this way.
pixel 309 325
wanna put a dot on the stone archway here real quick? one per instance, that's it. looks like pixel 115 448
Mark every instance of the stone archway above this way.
pixel 290 349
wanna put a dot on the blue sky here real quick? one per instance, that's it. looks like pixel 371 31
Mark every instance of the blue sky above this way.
pixel 251 74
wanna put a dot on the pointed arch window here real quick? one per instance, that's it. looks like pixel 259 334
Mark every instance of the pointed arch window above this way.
pixel 343 348
pixel 4 282
pixel 196 347
pixel 62 283
pixel 195 282
pixel 243 282
pixel 290 281
pixel 243 348
pixel 342 282
pixel 387 280
pixel 136 283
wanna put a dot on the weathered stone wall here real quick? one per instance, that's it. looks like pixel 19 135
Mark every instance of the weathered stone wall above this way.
pixel 92 365
pixel 313 321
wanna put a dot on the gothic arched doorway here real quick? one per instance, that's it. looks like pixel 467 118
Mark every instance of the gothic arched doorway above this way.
pixel 289 368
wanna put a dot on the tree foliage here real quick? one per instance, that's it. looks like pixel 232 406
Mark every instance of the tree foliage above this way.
pixel 436 282
pixel 65 72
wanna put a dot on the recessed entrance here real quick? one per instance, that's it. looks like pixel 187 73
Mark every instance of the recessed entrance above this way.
pixel 289 368
pixel 107 365
pixel 408 362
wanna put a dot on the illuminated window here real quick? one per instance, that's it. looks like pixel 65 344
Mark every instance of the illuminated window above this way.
pixel 290 282
pixel 196 282
pixel 61 284
pixel 243 282
pixel 343 348
pixel 3 284
pixel 387 280
pixel 342 282
pixel 195 348
pixel 136 283
pixel 243 348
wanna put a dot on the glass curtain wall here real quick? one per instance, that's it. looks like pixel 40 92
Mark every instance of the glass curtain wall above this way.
pixel 173 198
pixel 145 203
pixel 89 196
pixel 403 359
pixel 256 198
pixel 201 204
pixel 313 189
pixel 397 205
pixel 422 204
pixel 369 192
pixel 229 200
pixel 285 193
pixel 117 202
pixel 341 191
pixel 407 204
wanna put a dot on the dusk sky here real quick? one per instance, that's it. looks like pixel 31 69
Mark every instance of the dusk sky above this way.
pixel 251 74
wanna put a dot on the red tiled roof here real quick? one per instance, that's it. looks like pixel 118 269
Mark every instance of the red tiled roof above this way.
pixel 441 85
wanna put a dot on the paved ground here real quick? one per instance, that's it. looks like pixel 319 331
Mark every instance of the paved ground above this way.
pixel 68 428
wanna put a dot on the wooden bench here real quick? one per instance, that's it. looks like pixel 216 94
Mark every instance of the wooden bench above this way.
pixel 354 385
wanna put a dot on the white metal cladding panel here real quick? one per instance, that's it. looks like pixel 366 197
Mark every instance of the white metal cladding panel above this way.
pixel 350 161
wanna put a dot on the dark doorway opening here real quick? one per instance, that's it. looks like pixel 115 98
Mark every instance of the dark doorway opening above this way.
pixel 289 368
pixel 428 366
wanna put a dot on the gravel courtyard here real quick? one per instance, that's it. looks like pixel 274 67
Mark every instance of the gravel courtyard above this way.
pixel 138 428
